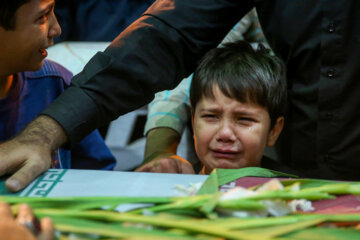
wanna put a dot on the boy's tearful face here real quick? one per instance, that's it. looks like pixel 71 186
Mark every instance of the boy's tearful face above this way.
pixel 231 134
pixel 35 28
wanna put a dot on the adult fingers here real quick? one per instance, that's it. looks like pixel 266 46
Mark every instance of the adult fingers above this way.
pixel 183 166
pixel 172 164
pixel 44 228
pixel 14 156
pixel 186 168
pixel 30 169
pixel 9 228
pixel 25 214
pixel 27 219
pixel 47 229
pixel 166 165
pixel 144 168
pixel 7 156
pixel 5 212
pixel 162 165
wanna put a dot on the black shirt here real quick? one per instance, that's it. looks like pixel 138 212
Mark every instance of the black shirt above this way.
pixel 318 41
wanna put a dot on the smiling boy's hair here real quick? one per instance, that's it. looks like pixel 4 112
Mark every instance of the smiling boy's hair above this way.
pixel 8 10
pixel 244 74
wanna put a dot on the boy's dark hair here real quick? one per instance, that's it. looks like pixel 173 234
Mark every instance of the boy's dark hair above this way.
pixel 242 73
pixel 8 9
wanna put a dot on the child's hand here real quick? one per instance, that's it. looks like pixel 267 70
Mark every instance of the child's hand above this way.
pixel 17 228
pixel 167 164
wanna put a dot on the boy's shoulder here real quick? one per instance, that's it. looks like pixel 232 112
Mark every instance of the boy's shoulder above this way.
pixel 51 69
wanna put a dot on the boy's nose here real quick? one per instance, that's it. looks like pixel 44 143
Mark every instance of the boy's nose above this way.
pixel 55 29
pixel 226 132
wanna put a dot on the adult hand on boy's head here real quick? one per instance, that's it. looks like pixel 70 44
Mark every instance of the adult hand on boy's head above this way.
pixel 29 154
pixel 167 164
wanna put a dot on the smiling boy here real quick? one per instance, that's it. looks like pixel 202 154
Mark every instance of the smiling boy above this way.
pixel 29 83
pixel 25 34
pixel 238 98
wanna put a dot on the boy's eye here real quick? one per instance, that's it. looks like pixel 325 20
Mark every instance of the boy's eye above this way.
pixel 42 19
pixel 245 120
pixel 209 116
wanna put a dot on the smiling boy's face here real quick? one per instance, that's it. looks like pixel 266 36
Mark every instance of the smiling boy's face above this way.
pixel 231 134
pixel 24 48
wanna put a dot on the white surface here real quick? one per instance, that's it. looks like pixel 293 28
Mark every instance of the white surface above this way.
pixel 59 182
pixel 74 55
pixel 125 125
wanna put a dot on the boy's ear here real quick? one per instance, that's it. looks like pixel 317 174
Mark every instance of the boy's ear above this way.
pixel 275 131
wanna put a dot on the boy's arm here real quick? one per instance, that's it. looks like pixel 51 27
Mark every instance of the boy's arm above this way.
pixel 168 114
pixel 29 154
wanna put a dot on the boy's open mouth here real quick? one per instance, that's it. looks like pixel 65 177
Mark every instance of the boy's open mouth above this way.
pixel 43 52
pixel 224 154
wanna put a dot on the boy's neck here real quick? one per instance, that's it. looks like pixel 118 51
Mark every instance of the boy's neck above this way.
pixel 6 84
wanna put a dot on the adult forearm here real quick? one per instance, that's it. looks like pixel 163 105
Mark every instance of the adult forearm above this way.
pixel 43 130
pixel 152 54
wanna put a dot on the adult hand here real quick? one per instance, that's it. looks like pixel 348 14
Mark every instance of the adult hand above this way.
pixel 29 154
pixel 13 228
pixel 167 164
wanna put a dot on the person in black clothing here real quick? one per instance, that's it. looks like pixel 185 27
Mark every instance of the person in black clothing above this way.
pixel 318 41
pixel 96 20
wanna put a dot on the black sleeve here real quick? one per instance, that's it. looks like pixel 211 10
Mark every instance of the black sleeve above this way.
pixel 152 54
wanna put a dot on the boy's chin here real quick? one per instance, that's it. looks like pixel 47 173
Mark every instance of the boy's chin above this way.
pixel 37 66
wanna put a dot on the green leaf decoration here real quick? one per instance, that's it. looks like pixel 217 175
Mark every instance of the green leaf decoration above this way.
pixel 200 216
pixel 275 231
pixel 278 194
pixel 241 204
pixel 81 203
pixel 322 234
pixel 221 176
pixel 95 228
pixel 228 175
pixel 210 204
pixel 307 182
pixel 211 185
